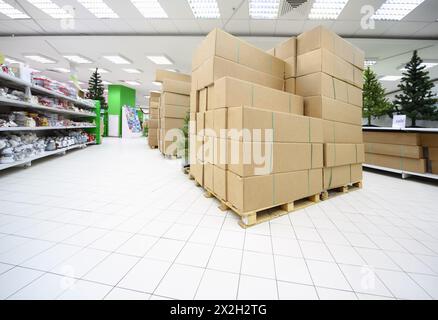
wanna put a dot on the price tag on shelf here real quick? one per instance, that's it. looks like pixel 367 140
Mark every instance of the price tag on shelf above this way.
pixel 399 121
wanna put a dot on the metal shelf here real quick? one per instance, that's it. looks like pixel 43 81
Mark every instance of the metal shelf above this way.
pixel 8 129
pixel 33 106
pixel 28 162
pixel 404 174
pixel 402 130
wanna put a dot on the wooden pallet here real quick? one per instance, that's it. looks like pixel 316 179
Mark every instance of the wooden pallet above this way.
pixel 330 193
pixel 186 170
pixel 252 218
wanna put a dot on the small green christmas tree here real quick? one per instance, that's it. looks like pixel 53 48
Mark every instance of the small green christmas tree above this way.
pixel 416 100
pixel 96 89
pixel 374 102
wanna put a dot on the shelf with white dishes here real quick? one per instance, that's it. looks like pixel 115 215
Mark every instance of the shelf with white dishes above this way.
pixel 28 162
pixel 404 174
pixel 32 106
pixel 8 129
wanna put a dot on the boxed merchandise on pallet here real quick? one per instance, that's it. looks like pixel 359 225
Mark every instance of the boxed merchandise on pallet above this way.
pixel 154 118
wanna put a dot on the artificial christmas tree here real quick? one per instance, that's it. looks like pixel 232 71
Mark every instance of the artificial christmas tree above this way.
pixel 96 89
pixel 416 100
pixel 374 102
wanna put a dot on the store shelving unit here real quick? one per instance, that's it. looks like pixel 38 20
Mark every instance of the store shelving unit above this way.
pixel 93 115
pixel 404 174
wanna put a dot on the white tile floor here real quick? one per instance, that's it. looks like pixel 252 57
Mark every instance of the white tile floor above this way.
pixel 118 221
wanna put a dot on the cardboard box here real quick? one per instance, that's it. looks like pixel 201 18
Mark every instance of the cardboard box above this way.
pixel 208 176
pixel 171 123
pixel 290 85
pixel 290 68
pixel 261 192
pixel 153 140
pixel 221 44
pixel 215 68
pixel 335 177
pixel 210 97
pixel 258 158
pixel 153 113
pixel 171 111
pixel 194 101
pixel 220 182
pixel 432 153
pixel 209 123
pixel 153 124
pixel 336 155
pixel 322 84
pixel 322 60
pixel 175 86
pixel 221 153
pixel 429 139
pixel 397 150
pixel 339 132
pixel 321 37
pixel 400 138
pixel 403 164
pixel 200 123
pixel 162 75
pixel 154 105
pixel 433 167
pixel 285 127
pixel 203 100
pixel 220 122
pixel 197 171
pixel 286 49
pixel 175 99
pixel 231 92
pixel 330 109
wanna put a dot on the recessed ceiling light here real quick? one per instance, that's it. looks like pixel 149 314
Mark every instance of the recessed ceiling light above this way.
pixel 12 60
pixel 132 83
pixel 264 9
pixel 99 8
pixel 370 62
pixel 207 9
pixel 390 78
pixel 40 58
pixel 34 70
pixel 100 70
pixel 150 8
pixel 427 65
pixel 161 60
pixel 132 70
pixel 396 9
pixel 12 12
pixel 172 70
pixel 157 83
pixel 78 82
pixel 52 9
pixel 63 70
pixel 117 59
pixel 327 9
pixel 77 59
pixel 106 82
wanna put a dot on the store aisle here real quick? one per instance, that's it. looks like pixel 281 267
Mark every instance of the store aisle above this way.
pixel 117 221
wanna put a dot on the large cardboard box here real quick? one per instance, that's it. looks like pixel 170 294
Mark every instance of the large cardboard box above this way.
pixel 290 85
pixel 200 123
pixel 153 113
pixel 194 101
pixel 154 97
pixel 197 171
pixel 400 138
pixel 221 44
pixel 429 139
pixel 208 176
pixel 162 75
pixel 290 68
pixel 153 123
pixel 175 86
pixel 261 192
pixel 215 68
pixel 231 92
pixel 397 150
pixel 335 177
pixel 203 94
pixel 220 182
pixel 321 37
pixel 284 127
pixel 339 132
pixel 171 111
pixel 153 140
pixel 336 155
pixel 258 158
pixel 175 99
pixel 322 60
pixel 172 123
pixel 322 84
pixel 403 164
pixel 433 167
pixel 209 123
pixel 330 109
pixel 432 154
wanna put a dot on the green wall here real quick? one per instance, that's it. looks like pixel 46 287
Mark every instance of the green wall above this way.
pixel 119 96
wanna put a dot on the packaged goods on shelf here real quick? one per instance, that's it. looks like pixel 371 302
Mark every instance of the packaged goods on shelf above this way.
pixel 399 163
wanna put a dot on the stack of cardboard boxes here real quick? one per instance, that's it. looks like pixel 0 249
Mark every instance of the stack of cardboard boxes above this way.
pixel 404 151
pixel 329 77
pixel 153 122
pixel 237 87
pixel 174 107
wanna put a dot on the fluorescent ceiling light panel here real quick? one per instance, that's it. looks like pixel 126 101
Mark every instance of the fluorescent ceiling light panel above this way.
pixel 132 83
pixel 51 8
pixel 390 78
pixel 207 9
pixel 396 9
pixel 427 65
pixel 161 60
pixel 40 58
pixel 99 8
pixel 106 82
pixel 150 8
pixel 370 62
pixel 100 70
pixel 12 60
pixel 117 59
pixel 132 70
pixel 11 12
pixel 327 9
pixel 77 59
pixel 79 82
pixel 63 70
pixel 264 9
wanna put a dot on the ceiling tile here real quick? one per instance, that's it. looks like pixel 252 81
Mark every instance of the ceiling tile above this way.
pixel 288 27
pixel 238 27
pixel 207 25
pixel 262 27
pixel 163 25
pixel 187 26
